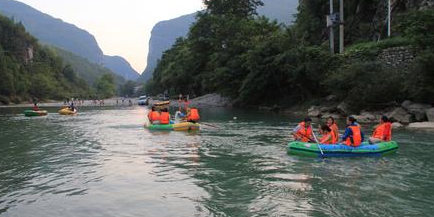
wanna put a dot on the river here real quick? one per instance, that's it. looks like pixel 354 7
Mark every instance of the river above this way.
pixel 102 162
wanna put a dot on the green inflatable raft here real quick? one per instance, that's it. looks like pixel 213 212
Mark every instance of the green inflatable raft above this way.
pixel 31 113
pixel 184 126
pixel 340 150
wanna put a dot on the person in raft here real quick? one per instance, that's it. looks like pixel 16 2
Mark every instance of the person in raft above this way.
pixel 165 116
pixel 353 135
pixel 71 106
pixel 382 132
pixel 154 116
pixel 334 127
pixel 328 136
pixel 193 115
pixel 35 107
pixel 303 131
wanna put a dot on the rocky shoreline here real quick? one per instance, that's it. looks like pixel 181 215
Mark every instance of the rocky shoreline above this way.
pixel 408 115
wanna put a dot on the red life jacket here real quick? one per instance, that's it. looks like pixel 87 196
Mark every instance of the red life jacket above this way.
pixel 335 131
pixel 383 132
pixel 356 139
pixel 327 138
pixel 153 116
pixel 164 118
pixel 304 134
pixel 193 115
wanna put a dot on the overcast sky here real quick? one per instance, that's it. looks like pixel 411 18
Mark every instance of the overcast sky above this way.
pixel 121 27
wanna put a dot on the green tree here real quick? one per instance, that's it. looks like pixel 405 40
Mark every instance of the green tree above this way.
pixel 105 86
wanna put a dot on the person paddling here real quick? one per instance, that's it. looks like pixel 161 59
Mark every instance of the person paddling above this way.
pixel 193 115
pixel 304 132
pixel 71 106
pixel 353 135
pixel 154 116
pixel 165 116
pixel 328 137
pixel 35 107
pixel 382 132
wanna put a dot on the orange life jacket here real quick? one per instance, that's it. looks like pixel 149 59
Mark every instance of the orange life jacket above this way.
pixel 193 115
pixel 164 118
pixel 153 116
pixel 383 132
pixel 356 139
pixel 327 138
pixel 334 137
pixel 335 131
pixel 304 134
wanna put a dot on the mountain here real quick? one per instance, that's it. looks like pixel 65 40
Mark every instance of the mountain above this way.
pixel 56 32
pixel 90 72
pixel 165 33
pixel 31 71
pixel 120 65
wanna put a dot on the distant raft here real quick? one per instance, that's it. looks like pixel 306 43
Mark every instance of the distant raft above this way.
pixel 31 113
pixel 184 126
pixel 339 150
pixel 67 111
pixel 161 105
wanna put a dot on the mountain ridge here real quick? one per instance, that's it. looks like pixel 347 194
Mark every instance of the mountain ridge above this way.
pixel 54 31
pixel 272 9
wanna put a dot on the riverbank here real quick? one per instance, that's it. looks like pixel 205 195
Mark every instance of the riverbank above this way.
pixel 84 103
pixel 408 115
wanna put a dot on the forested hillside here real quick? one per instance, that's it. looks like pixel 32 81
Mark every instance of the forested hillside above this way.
pixel 66 36
pixel 90 72
pixel 29 71
pixel 165 33
pixel 255 61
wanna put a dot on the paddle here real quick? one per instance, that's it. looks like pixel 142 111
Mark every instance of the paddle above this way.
pixel 210 125
pixel 316 140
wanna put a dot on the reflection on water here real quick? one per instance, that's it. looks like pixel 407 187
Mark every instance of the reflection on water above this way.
pixel 102 162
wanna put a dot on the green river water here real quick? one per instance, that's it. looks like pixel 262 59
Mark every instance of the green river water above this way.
pixel 102 162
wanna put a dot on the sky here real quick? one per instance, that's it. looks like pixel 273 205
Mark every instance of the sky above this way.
pixel 121 27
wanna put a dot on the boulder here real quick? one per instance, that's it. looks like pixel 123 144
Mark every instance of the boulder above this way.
pixel 333 115
pixel 421 126
pixel 331 98
pixel 366 117
pixel 418 110
pixel 343 108
pixel 397 125
pixel 430 114
pixel 314 111
pixel 325 109
pixel 401 115
pixel 406 104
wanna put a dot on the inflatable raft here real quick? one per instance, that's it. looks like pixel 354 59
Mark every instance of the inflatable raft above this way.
pixel 184 126
pixel 161 105
pixel 339 150
pixel 67 111
pixel 31 113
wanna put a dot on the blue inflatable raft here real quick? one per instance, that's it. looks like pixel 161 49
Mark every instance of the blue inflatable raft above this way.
pixel 339 150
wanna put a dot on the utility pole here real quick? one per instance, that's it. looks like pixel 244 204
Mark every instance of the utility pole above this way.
pixel 332 34
pixel 389 15
pixel 341 27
